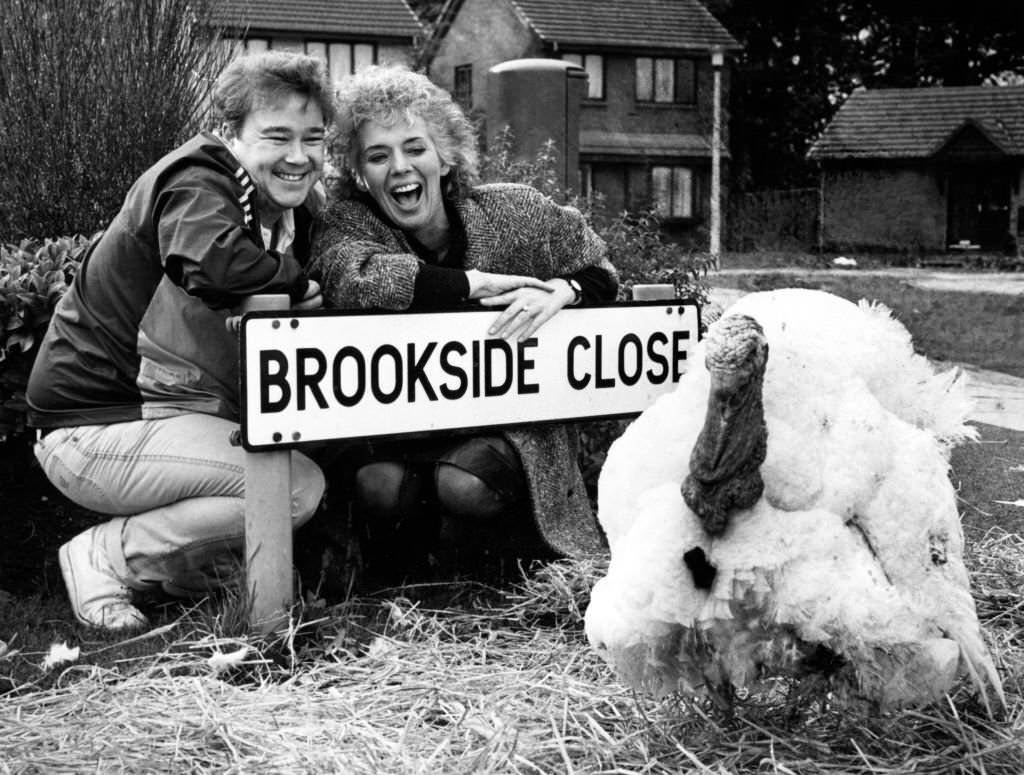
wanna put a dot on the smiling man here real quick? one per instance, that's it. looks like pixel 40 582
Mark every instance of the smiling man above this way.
pixel 135 388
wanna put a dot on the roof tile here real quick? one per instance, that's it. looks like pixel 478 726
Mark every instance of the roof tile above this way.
pixel 376 18
pixel 916 123
pixel 658 24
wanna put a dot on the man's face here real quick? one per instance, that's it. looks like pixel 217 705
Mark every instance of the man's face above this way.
pixel 281 146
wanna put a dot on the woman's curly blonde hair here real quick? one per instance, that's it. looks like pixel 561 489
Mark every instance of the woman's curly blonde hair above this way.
pixel 388 94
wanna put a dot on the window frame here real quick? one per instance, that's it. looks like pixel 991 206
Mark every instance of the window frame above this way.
pixel 676 77
pixel 686 198
pixel 462 85
pixel 580 59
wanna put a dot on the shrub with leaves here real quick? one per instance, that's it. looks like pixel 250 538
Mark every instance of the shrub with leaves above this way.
pixel 33 277
pixel 92 93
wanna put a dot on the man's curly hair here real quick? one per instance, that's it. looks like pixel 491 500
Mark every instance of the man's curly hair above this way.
pixel 388 94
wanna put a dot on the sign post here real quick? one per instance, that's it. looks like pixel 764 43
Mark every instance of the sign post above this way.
pixel 268 522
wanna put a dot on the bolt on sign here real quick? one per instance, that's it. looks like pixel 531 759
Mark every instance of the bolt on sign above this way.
pixel 319 376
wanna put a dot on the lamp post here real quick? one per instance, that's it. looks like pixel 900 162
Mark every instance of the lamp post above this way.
pixel 717 60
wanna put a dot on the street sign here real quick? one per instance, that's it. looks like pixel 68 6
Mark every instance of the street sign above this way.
pixel 319 376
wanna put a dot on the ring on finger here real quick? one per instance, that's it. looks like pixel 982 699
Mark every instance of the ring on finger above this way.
pixel 525 309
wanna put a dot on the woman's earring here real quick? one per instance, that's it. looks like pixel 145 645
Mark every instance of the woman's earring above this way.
pixel 360 183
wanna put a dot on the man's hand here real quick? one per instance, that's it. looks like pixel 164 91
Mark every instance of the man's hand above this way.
pixel 313 298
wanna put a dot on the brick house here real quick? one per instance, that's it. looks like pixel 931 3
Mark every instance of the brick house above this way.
pixel 646 122
pixel 349 34
pixel 924 169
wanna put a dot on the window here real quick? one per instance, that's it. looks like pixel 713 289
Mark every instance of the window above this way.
pixel 463 92
pixel 664 80
pixel 672 191
pixel 345 59
pixel 594 65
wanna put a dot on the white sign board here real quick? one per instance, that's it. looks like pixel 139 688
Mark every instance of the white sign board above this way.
pixel 318 376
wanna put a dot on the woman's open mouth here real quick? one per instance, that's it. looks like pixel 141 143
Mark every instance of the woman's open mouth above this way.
pixel 407 195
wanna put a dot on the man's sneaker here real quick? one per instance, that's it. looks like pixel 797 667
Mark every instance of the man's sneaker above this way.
pixel 98 597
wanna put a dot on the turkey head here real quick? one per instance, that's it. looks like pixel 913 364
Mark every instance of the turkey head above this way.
pixel 725 462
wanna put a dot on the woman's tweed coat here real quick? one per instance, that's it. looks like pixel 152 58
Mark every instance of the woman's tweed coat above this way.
pixel 363 262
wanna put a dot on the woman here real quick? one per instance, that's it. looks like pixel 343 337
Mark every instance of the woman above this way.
pixel 409 229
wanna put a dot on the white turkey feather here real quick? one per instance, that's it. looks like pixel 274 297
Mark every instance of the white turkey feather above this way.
pixel 854 544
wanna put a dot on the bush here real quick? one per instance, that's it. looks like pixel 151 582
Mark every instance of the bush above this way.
pixel 92 93
pixel 33 277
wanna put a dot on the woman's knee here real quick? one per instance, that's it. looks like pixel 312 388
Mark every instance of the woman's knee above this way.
pixel 388 489
pixel 462 494
pixel 308 485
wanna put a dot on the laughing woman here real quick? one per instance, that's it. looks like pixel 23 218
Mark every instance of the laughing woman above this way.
pixel 411 229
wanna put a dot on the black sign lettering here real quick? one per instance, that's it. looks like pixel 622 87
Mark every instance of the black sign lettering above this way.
pixel 634 343
pixel 356 357
pixel 679 354
pixel 310 380
pixel 455 371
pixel 385 351
pixel 269 379
pixel 656 378
pixel 417 370
pixel 601 381
pixel 491 388
pixel 524 364
pixel 577 383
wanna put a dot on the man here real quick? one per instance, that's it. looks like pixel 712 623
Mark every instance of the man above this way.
pixel 135 388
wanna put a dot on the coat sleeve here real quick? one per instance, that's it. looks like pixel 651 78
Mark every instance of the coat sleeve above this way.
pixel 575 248
pixel 207 249
pixel 359 263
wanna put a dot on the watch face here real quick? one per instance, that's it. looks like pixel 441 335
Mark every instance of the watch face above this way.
pixel 576 289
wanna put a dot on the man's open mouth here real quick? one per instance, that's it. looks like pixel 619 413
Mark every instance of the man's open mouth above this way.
pixel 290 177
pixel 407 195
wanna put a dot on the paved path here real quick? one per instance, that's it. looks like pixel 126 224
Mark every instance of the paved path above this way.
pixel 998 397
pixel 1010 283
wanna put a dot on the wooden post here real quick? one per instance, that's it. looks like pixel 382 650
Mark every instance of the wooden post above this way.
pixel 654 291
pixel 268 521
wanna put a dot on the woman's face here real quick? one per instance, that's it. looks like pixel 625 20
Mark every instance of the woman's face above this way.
pixel 400 168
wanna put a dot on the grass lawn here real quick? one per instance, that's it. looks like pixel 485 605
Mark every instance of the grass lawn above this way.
pixel 470 677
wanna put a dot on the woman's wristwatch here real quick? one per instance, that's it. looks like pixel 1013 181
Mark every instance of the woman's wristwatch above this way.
pixel 577 291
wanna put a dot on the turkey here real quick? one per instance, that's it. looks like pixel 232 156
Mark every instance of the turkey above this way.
pixel 786 512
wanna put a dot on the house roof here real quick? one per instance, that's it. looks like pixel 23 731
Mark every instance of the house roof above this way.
pixel 918 123
pixel 658 24
pixel 355 18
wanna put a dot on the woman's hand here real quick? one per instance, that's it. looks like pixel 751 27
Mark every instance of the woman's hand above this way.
pixel 527 309
pixel 486 285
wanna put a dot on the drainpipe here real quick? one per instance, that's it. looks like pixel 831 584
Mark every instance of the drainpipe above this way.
pixel 714 248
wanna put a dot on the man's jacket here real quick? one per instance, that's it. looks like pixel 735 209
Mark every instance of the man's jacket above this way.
pixel 140 333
